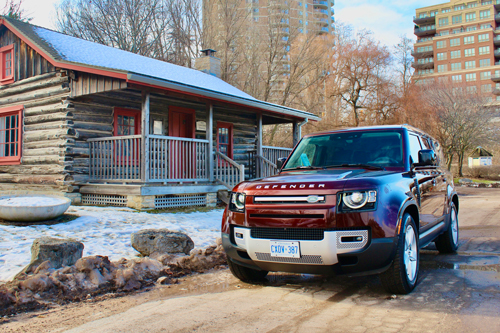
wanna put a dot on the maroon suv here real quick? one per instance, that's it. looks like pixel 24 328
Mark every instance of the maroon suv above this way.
pixel 355 201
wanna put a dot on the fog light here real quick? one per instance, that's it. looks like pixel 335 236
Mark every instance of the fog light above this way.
pixel 239 235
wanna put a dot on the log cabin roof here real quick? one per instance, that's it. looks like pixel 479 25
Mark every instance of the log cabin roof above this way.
pixel 73 53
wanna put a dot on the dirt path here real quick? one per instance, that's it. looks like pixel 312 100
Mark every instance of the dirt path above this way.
pixel 456 293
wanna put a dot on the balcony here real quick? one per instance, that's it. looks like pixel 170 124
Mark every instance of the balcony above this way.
pixel 320 4
pixel 495 78
pixel 424 20
pixel 426 30
pixel 422 54
pixel 496 91
pixel 322 22
pixel 423 65
pixel 497 18
pixel 496 40
pixel 321 13
pixel 497 53
pixel 323 30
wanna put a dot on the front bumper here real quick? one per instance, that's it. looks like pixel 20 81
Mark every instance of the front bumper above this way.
pixel 328 256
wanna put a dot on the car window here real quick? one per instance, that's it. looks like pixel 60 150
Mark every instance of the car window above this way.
pixel 414 147
pixel 378 148
pixel 425 143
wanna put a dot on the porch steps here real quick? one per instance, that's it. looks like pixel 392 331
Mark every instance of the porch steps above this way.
pixel 223 195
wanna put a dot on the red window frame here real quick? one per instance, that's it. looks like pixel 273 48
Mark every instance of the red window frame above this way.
pixel 6 143
pixel 229 144
pixel 6 58
pixel 129 113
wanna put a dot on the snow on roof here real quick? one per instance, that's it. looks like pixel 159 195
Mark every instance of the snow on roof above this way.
pixel 89 53
pixel 67 49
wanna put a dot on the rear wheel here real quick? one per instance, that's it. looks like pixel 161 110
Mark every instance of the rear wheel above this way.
pixel 402 275
pixel 246 274
pixel 448 241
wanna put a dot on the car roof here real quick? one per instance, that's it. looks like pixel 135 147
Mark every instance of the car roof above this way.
pixel 372 128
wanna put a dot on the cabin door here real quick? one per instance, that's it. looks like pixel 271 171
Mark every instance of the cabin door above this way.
pixel 181 123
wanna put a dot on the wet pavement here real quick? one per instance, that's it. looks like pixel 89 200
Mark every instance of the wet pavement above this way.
pixel 455 293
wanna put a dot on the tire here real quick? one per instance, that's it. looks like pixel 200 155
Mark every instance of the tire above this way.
pixel 246 274
pixel 402 275
pixel 448 241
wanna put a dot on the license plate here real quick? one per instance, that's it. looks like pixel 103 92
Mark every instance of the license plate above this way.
pixel 285 249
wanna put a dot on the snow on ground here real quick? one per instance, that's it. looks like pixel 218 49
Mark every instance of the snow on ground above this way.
pixel 103 231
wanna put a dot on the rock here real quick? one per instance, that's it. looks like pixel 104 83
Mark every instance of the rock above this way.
pixel 482 185
pixel 36 283
pixel 161 241
pixel 163 280
pixel 59 252
pixel 465 181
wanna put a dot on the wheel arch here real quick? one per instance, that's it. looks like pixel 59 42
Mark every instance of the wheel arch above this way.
pixel 411 208
pixel 454 199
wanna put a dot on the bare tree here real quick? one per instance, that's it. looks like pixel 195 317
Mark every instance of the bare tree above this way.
pixel 168 30
pixel 359 66
pixel 13 9
pixel 464 117
pixel 404 59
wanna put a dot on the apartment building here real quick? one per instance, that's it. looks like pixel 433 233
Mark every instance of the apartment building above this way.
pixel 308 15
pixel 288 18
pixel 460 41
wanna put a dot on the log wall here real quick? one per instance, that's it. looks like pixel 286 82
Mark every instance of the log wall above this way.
pixel 48 135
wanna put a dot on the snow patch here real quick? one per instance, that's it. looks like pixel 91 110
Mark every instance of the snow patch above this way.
pixel 104 231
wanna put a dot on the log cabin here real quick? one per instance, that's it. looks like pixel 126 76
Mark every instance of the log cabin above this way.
pixel 103 126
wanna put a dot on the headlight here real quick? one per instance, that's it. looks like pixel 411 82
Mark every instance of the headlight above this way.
pixel 359 199
pixel 237 202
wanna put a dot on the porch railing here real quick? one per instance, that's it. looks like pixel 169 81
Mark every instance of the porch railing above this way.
pixel 265 168
pixel 273 153
pixel 116 158
pixel 174 159
pixel 228 172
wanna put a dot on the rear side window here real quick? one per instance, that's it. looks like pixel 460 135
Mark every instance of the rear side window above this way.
pixel 415 147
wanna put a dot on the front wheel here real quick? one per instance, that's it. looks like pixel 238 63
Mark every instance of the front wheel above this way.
pixel 402 275
pixel 448 241
pixel 246 274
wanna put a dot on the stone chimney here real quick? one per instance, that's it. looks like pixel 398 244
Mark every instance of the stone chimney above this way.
pixel 207 63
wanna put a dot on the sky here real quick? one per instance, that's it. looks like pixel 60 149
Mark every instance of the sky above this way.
pixel 387 19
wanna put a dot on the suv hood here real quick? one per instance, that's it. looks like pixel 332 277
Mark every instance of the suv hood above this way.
pixel 307 180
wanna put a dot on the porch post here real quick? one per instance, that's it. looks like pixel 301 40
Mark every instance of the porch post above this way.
pixel 210 138
pixel 296 132
pixel 258 161
pixel 145 135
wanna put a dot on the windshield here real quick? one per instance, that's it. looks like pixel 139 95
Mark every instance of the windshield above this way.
pixel 370 148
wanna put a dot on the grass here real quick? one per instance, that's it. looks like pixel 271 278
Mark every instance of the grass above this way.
pixel 478 181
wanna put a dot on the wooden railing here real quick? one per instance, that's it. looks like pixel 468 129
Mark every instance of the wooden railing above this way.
pixel 116 158
pixel 228 172
pixel 173 159
pixel 273 153
pixel 265 168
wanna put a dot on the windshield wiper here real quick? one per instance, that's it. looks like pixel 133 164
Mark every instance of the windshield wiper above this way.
pixel 359 165
pixel 309 167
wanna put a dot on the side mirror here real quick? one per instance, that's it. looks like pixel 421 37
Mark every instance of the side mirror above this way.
pixel 280 161
pixel 427 157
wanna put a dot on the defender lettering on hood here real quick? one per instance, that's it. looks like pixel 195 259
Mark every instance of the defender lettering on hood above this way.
pixel 290 186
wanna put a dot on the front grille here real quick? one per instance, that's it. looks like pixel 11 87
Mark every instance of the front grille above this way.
pixel 300 234
pixel 305 259
pixel 288 216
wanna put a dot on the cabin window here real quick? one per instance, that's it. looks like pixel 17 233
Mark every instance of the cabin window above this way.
pixel 225 139
pixel 10 135
pixel 127 122
pixel 7 63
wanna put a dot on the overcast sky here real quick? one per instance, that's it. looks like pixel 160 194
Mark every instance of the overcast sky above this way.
pixel 388 19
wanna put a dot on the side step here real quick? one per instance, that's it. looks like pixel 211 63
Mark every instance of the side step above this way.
pixel 223 195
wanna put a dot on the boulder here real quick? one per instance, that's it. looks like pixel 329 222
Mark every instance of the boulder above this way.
pixel 465 181
pixel 57 251
pixel 161 241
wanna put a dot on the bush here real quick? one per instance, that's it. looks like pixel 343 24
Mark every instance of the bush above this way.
pixel 484 172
